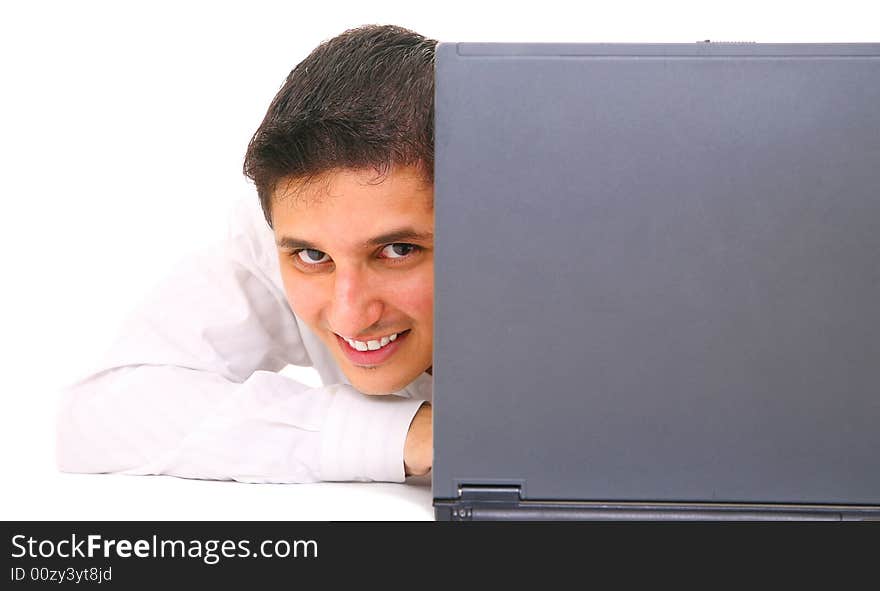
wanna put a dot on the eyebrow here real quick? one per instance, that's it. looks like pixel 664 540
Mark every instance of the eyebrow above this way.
pixel 399 235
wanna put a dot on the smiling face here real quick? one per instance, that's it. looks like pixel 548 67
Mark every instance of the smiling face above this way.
pixel 357 261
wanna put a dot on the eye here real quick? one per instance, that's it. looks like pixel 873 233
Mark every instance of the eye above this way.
pixel 399 250
pixel 310 256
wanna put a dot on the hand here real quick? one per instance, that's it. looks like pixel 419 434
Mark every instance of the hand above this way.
pixel 418 451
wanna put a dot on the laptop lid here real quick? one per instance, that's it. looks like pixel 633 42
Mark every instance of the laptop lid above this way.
pixel 657 279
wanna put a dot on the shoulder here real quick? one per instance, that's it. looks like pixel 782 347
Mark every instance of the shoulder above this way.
pixel 251 240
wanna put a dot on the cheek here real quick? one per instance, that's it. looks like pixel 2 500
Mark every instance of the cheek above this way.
pixel 304 298
pixel 415 296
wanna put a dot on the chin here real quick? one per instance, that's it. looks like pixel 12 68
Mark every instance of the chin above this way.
pixel 373 389
pixel 377 386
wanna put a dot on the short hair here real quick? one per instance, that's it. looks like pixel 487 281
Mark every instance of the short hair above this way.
pixel 363 99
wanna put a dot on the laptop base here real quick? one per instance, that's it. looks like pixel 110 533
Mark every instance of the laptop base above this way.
pixel 502 504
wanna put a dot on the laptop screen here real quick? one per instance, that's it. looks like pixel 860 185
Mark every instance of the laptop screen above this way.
pixel 657 272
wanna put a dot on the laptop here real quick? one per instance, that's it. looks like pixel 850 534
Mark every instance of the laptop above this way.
pixel 657 281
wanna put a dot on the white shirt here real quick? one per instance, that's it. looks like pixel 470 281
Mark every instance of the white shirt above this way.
pixel 191 388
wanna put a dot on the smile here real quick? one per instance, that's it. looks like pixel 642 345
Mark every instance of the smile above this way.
pixel 373 351
pixel 373 345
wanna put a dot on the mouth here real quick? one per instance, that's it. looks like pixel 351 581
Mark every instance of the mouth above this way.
pixel 375 356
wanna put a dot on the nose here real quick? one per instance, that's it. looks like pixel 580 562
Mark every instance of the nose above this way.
pixel 356 304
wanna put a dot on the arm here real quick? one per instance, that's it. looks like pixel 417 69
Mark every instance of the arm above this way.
pixel 190 388
pixel 419 447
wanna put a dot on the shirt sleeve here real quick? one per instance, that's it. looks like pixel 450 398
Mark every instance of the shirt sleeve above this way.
pixel 191 388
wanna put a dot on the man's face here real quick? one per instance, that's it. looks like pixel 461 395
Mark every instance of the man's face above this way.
pixel 357 260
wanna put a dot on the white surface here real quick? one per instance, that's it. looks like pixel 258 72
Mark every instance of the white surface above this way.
pixel 122 132
pixel 155 498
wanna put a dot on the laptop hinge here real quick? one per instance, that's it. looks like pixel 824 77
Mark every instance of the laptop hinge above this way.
pixel 497 496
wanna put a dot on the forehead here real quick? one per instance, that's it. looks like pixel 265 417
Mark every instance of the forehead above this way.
pixel 349 205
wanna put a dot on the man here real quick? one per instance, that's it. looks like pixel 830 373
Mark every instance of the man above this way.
pixel 337 273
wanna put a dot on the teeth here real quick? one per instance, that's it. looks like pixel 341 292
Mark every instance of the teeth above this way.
pixel 371 345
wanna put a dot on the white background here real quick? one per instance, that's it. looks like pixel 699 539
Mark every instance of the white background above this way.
pixel 122 131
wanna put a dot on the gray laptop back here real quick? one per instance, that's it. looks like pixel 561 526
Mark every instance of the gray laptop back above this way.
pixel 657 276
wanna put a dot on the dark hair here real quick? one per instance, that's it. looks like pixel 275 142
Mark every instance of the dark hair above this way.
pixel 363 99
